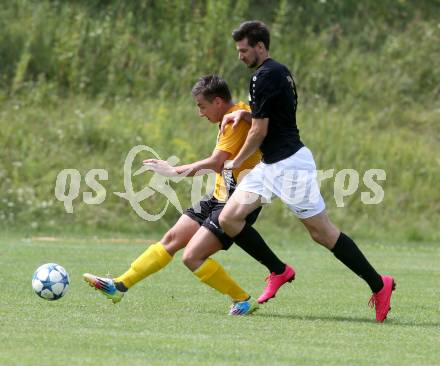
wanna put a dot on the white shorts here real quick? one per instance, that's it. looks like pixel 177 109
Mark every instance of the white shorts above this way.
pixel 292 179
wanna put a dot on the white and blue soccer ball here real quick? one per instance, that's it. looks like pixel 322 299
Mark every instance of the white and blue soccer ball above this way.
pixel 50 281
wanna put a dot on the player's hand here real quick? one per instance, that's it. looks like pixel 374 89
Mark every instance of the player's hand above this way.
pixel 230 165
pixel 161 167
pixel 233 117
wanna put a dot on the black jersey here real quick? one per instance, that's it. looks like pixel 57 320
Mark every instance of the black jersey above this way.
pixel 272 94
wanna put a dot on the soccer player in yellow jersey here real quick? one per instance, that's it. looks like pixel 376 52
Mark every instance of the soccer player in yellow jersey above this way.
pixel 198 229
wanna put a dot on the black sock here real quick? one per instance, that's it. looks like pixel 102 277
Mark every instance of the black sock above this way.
pixel 348 253
pixel 121 287
pixel 253 244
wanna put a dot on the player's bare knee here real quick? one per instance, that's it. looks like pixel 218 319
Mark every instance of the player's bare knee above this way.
pixel 186 258
pixel 172 242
pixel 315 236
pixel 318 237
pixel 168 237
pixel 228 216
pixel 322 238
pixel 225 221
pixel 189 259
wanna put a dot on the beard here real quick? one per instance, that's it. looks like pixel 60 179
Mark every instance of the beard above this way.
pixel 253 64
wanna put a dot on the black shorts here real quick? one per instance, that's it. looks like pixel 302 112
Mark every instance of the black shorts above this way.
pixel 206 213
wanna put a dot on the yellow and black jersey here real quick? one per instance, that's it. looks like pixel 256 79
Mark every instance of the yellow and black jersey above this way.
pixel 231 141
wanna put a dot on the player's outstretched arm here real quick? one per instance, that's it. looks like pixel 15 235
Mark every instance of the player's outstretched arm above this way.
pixel 161 167
pixel 214 163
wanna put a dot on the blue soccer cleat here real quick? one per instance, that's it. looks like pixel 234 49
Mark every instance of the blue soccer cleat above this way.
pixel 104 285
pixel 245 307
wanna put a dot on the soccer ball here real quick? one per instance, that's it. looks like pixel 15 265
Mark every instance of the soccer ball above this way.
pixel 50 281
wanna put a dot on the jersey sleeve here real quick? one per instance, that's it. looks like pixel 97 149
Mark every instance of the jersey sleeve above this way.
pixel 233 139
pixel 263 89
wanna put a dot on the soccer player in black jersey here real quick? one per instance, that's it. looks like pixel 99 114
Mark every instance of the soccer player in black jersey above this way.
pixel 287 170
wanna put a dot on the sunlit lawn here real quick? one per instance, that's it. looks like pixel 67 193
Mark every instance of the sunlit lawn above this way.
pixel 172 319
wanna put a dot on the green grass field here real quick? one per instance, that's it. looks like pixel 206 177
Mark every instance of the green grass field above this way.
pixel 171 319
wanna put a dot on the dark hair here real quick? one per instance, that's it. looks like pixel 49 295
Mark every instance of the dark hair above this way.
pixel 255 31
pixel 211 86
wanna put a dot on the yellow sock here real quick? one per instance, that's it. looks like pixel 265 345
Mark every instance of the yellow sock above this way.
pixel 152 260
pixel 214 275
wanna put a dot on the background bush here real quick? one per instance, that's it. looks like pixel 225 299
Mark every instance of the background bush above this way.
pixel 82 82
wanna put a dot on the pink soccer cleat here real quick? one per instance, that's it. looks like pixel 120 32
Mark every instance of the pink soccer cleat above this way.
pixel 382 299
pixel 274 282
